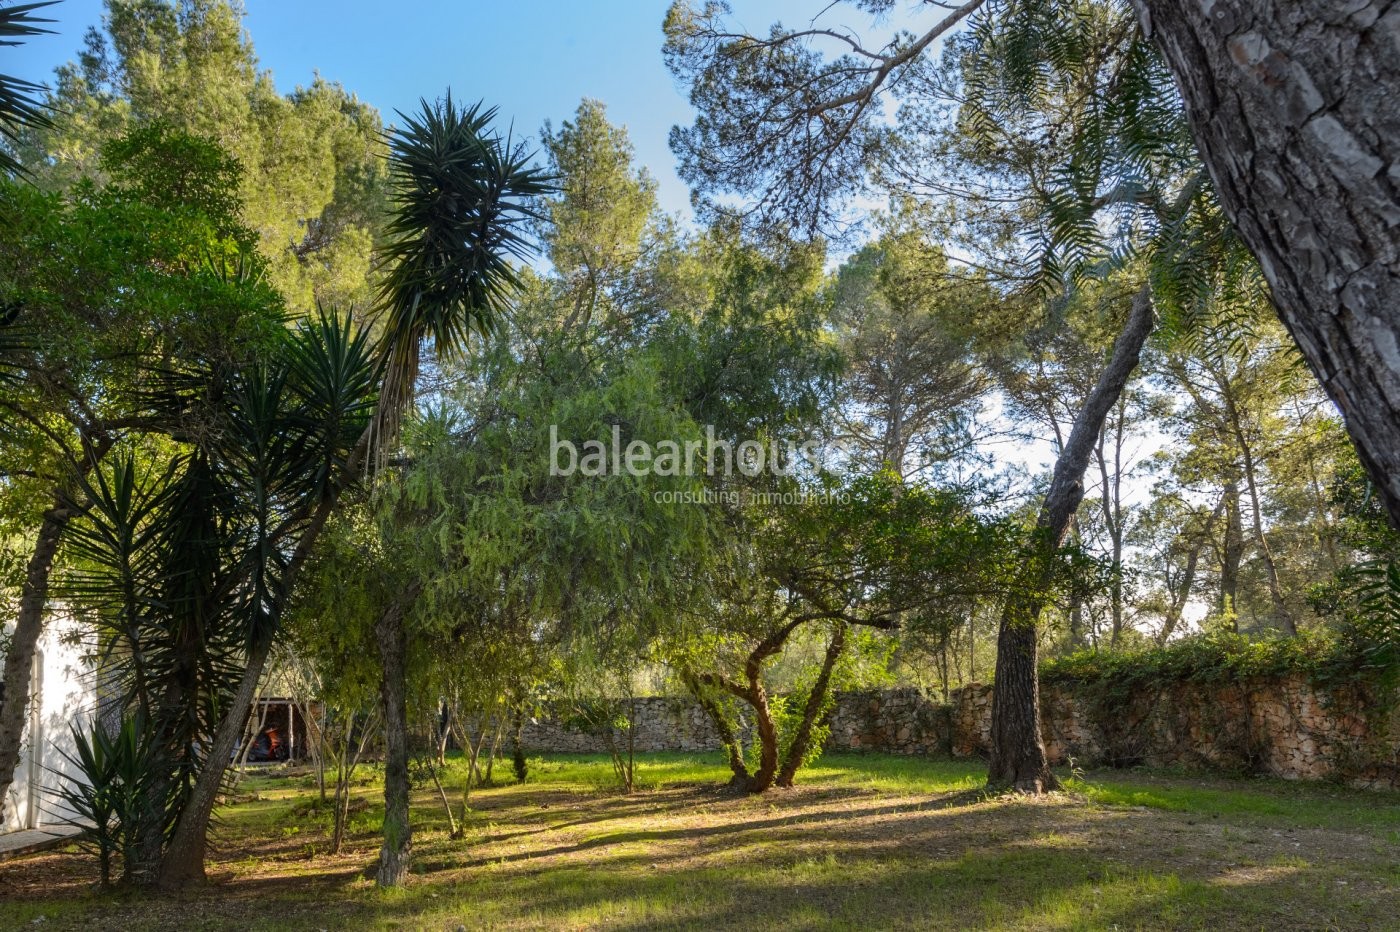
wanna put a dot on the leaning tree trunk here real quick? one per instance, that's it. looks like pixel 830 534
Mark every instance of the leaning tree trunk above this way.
pixel 1295 108
pixel 1018 754
pixel 19 659
pixel 183 863
pixel 392 636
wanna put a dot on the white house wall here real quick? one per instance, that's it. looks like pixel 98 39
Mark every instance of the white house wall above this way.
pixel 64 687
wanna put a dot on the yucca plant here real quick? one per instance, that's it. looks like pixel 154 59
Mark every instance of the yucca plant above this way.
pixel 182 550
pixel 461 196
pixel 20 106
pixel 111 798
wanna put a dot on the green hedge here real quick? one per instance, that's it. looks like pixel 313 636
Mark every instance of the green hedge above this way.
pixel 1228 657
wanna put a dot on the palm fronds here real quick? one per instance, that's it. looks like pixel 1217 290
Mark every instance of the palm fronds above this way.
pixel 182 565
pixel 461 195
pixel 20 106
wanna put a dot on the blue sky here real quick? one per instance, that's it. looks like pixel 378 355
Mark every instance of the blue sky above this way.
pixel 535 59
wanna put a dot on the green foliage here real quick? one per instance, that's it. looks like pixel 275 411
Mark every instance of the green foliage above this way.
pixel 1221 657
pixel 1376 629
pixel 312 189
pixel 911 329
pixel 175 172
pixel 599 226
pixel 117 795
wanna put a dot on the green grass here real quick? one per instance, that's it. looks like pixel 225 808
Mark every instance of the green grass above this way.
pixel 867 771
pixel 866 841
pixel 1254 800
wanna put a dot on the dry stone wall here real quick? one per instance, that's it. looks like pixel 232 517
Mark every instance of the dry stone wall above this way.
pixel 663 724
pixel 1282 726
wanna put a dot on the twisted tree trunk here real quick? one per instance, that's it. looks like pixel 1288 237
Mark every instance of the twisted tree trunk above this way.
pixel 802 738
pixel 1018 754
pixel 1295 108
pixel 724 728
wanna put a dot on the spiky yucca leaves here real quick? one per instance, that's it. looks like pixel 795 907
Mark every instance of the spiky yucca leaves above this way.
pixel 114 795
pixel 461 194
pixel 20 106
pixel 182 562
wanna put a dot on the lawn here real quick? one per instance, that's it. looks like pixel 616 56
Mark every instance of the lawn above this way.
pixel 866 841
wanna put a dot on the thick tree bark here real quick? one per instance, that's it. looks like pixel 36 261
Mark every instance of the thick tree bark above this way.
pixel 1295 108
pixel 1018 754
pixel 802 738
pixel 19 659
pixel 392 637
pixel 183 862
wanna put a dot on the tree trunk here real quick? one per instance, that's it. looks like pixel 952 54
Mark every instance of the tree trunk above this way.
pixel 183 863
pixel 444 733
pixel 802 738
pixel 1293 108
pixel 1018 754
pixel 1282 616
pixel 766 730
pixel 1231 555
pixel 517 747
pixel 1182 595
pixel 1077 637
pixel 345 771
pixel 19 659
pixel 724 728
pixel 392 637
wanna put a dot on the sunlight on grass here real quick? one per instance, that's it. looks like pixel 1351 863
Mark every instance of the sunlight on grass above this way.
pixel 868 840
pixel 1301 805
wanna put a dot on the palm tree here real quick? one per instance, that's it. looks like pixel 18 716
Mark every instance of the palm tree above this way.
pixel 182 560
pixel 19 107
pixel 461 195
